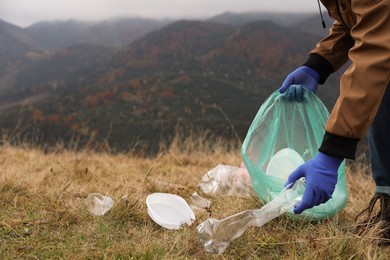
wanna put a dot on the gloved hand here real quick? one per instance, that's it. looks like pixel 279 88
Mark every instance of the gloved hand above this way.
pixel 304 76
pixel 321 177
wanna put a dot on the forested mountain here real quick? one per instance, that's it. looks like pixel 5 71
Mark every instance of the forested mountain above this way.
pixel 54 35
pixel 14 44
pixel 14 40
pixel 186 76
pixel 49 71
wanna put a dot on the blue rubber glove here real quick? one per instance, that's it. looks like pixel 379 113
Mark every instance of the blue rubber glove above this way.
pixel 304 76
pixel 295 93
pixel 321 177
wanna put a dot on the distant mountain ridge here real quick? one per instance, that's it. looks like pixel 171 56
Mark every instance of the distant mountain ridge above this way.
pixel 120 32
pixel 115 33
pixel 14 44
pixel 280 18
pixel 57 35
pixel 15 33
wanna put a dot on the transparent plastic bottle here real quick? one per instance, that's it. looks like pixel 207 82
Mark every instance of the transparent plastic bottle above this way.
pixel 216 235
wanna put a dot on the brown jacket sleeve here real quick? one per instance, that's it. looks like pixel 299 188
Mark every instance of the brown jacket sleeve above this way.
pixel 332 52
pixel 367 45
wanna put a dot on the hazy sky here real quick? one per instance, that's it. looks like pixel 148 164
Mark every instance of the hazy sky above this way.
pixel 26 12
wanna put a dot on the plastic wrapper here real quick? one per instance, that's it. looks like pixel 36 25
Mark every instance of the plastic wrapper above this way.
pixel 299 126
pixel 227 180
pixel 216 235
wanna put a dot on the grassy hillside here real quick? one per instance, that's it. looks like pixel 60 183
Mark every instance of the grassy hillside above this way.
pixel 44 215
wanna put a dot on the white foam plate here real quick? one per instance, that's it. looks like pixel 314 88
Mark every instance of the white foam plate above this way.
pixel 283 163
pixel 169 211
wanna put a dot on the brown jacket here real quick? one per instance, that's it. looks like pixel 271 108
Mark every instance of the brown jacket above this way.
pixel 360 33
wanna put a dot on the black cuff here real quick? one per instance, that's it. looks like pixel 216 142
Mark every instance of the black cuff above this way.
pixel 339 146
pixel 321 65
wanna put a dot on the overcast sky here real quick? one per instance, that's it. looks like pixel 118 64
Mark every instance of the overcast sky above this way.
pixel 26 12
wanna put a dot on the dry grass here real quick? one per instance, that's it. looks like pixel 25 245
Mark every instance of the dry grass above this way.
pixel 44 213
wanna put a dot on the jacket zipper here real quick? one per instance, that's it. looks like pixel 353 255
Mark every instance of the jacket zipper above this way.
pixel 338 4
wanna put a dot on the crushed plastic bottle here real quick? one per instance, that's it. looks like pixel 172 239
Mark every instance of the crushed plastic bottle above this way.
pixel 227 180
pixel 216 235
pixel 199 203
pixel 98 204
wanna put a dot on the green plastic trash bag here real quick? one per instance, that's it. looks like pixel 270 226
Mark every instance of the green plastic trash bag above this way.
pixel 293 130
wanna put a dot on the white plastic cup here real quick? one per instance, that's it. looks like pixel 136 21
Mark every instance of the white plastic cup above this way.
pixel 98 204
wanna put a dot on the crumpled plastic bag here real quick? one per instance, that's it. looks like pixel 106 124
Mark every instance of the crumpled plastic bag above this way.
pixel 216 235
pixel 227 180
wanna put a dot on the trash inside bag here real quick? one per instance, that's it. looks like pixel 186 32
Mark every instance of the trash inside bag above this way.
pixel 169 210
pixel 216 235
pixel 98 204
pixel 283 163
pixel 226 180
pixel 282 124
